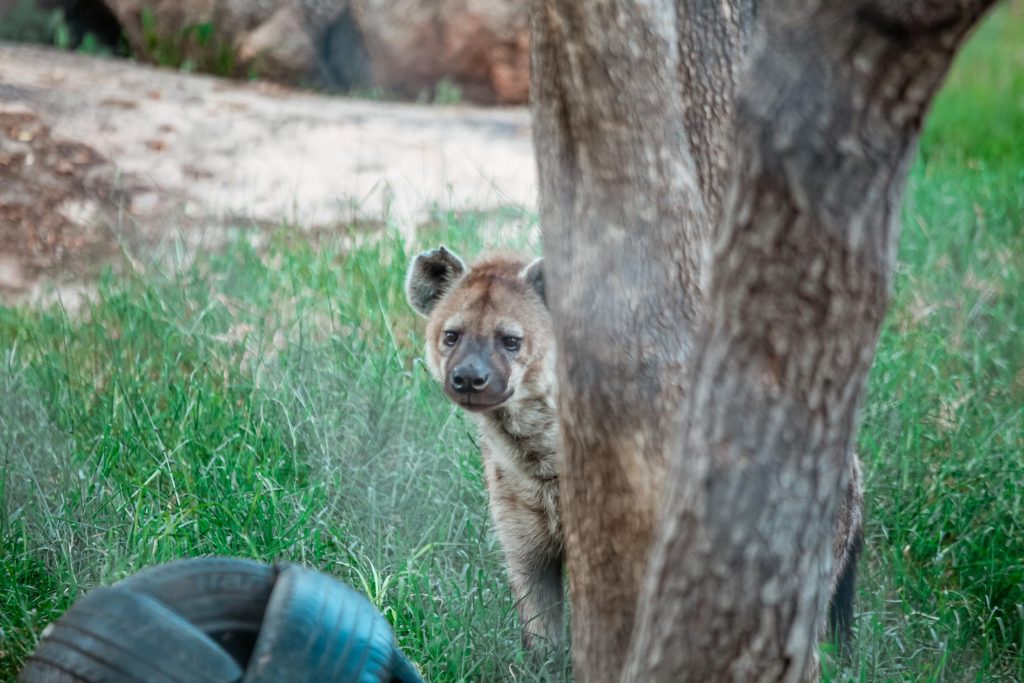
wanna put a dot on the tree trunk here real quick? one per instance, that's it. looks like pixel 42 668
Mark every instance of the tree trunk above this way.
pixel 608 127
pixel 712 39
pixel 750 397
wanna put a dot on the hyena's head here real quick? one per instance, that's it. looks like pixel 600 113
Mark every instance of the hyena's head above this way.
pixel 489 336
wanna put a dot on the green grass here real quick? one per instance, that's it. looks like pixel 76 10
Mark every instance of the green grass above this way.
pixel 263 405
pixel 268 404
pixel 942 589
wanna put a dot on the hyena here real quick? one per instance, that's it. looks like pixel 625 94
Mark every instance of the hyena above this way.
pixel 490 343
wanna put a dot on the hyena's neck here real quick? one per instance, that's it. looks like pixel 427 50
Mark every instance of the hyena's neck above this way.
pixel 528 432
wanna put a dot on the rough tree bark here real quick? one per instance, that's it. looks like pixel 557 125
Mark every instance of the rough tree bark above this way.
pixel 749 395
pixel 608 126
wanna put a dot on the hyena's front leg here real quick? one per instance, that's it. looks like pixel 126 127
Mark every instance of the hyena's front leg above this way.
pixel 533 555
pixel 537 587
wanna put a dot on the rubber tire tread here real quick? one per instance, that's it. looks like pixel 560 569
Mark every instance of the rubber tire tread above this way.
pixel 319 630
pixel 402 670
pixel 114 635
pixel 223 597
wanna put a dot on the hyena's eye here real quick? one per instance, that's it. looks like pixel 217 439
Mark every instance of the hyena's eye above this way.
pixel 512 343
pixel 450 338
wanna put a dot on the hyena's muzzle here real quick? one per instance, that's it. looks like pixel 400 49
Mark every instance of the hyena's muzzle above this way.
pixel 477 379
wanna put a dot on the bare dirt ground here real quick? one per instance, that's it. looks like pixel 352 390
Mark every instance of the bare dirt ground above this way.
pixel 97 153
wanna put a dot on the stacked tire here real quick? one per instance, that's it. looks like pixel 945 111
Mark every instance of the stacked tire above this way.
pixel 220 620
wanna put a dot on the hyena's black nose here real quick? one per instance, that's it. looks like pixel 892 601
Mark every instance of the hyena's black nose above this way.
pixel 470 378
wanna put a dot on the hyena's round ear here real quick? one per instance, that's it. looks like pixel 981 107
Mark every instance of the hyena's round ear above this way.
pixel 534 276
pixel 429 277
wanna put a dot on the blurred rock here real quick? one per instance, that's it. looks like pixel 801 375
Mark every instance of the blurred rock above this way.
pixel 407 46
pixel 173 32
pixel 280 48
pixel 482 46
pixel 7 7
pixel 40 21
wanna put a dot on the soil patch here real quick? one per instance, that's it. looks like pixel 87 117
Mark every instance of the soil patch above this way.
pixel 54 199
pixel 95 152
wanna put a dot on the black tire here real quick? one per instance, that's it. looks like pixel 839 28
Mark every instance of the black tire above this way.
pixel 319 630
pixel 114 635
pixel 402 670
pixel 224 598
pixel 41 672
